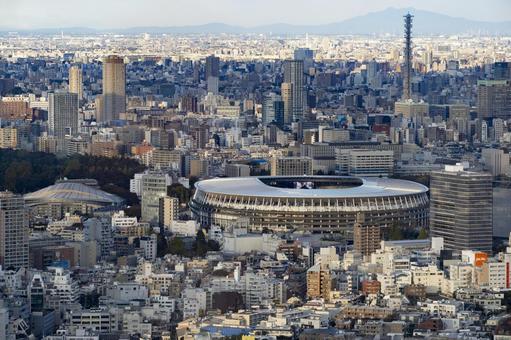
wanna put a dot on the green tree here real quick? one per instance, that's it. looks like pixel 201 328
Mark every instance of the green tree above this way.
pixel 71 166
pixel 179 191
pixel 162 246
pixel 395 233
pixel 177 246
pixel 201 245
pixel 423 234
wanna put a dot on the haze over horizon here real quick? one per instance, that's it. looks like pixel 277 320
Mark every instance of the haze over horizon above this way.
pixel 29 14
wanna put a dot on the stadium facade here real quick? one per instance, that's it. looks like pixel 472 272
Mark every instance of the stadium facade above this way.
pixel 316 204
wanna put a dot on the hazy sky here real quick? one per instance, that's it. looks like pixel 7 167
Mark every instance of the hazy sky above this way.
pixel 132 13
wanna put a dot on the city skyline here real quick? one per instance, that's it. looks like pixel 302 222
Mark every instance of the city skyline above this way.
pixel 254 181
pixel 27 15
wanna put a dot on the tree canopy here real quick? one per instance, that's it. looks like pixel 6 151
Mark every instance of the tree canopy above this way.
pixel 23 172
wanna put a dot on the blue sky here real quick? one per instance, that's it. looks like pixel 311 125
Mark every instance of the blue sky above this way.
pixel 132 13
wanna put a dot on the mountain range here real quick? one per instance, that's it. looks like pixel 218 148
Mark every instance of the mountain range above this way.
pixel 388 21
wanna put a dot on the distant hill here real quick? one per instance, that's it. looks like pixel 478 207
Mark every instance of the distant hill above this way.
pixel 389 21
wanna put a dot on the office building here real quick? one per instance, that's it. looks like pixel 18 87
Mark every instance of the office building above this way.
pixel 461 208
pixel 415 111
pixel 291 166
pixel 199 168
pixel 286 91
pixel 496 161
pixel 154 186
pixel 200 135
pixel 63 114
pixel 237 170
pixel 367 163
pixel 502 70
pixel 114 88
pixel 273 109
pixel 212 67
pixel 293 74
pixel 212 73
pixel 213 85
pixel 76 81
pixel 306 55
pixel 494 99
pixel 13 231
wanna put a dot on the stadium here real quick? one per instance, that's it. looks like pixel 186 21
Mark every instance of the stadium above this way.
pixel 316 204
pixel 70 196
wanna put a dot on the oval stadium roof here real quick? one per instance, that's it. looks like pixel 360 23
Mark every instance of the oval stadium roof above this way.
pixel 254 186
pixel 72 192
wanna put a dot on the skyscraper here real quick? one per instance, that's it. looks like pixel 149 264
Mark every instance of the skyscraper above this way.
pixel 461 208
pixel 154 187
pixel 212 66
pixel 494 99
pixel 502 70
pixel 271 108
pixel 286 90
pixel 62 114
pixel 306 55
pixel 407 69
pixel 114 88
pixel 13 231
pixel 293 74
pixel 76 81
pixel 212 73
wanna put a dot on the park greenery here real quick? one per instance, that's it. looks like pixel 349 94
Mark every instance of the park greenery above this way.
pixel 23 172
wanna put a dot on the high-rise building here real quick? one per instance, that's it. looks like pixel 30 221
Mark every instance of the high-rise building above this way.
pixel 63 114
pixel 13 108
pixel 213 85
pixel 360 162
pixel 237 170
pixel 293 74
pixel 306 55
pixel 154 186
pixel 502 70
pixel 319 282
pixel 212 73
pixel 189 103
pixel 366 238
pixel 270 108
pixel 212 67
pixel 496 161
pixel 8 137
pixel 286 90
pixel 114 88
pixel 199 168
pixel 407 67
pixel 76 81
pixel 498 129
pixel 200 136
pixel 13 231
pixel 494 99
pixel 461 208
pixel 169 210
pixel 291 166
